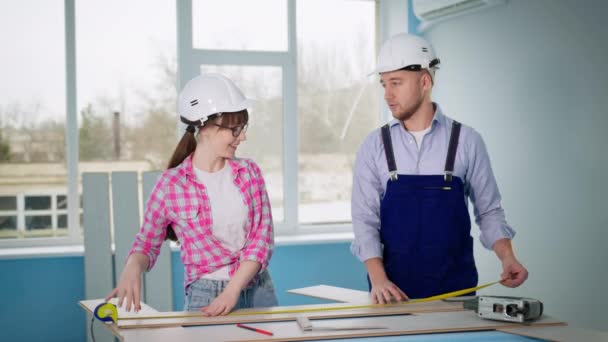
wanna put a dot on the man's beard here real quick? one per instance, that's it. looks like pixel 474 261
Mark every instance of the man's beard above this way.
pixel 408 112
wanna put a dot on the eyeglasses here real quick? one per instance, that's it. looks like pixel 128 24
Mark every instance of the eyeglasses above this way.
pixel 236 131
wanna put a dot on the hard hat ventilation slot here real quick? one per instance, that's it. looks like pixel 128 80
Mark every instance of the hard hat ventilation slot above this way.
pixel 193 103
pixel 434 63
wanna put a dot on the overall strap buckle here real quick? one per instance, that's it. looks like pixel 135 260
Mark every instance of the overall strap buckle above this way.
pixel 452 147
pixel 388 151
pixel 447 176
pixel 394 175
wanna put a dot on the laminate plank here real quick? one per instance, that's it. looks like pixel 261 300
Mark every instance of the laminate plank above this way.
pixel 338 294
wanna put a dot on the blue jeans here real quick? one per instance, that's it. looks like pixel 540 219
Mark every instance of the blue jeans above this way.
pixel 260 293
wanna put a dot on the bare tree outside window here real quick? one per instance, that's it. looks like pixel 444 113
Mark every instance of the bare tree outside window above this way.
pixel 337 103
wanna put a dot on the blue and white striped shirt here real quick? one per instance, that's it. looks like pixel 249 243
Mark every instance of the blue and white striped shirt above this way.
pixel 472 166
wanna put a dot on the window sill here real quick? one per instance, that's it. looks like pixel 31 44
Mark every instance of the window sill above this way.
pixel 311 239
pixel 78 250
pixel 41 252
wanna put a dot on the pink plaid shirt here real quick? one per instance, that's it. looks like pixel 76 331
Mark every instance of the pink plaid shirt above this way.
pixel 181 200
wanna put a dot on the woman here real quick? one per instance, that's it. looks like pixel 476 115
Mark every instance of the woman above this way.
pixel 214 204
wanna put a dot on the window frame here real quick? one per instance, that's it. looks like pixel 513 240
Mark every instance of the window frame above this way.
pixel 22 213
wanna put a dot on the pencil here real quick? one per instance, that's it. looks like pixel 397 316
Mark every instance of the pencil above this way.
pixel 254 329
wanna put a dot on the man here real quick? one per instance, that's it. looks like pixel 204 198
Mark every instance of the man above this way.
pixel 411 182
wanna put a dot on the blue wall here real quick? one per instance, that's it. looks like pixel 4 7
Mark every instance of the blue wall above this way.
pixel 39 299
pixel 39 296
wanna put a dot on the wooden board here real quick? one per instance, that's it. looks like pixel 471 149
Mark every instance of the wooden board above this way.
pixel 423 323
pixel 177 319
pixel 561 333
pixel 194 318
pixel 338 294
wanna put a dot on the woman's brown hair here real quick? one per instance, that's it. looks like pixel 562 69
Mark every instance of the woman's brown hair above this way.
pixel 187 144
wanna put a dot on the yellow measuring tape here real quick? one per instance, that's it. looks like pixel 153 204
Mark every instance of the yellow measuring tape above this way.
pixel 288 311
pixel 365 306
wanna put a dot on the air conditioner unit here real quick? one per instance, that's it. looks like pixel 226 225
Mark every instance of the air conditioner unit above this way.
pixel 432 11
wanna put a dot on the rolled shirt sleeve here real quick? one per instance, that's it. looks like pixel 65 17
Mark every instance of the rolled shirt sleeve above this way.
pixel 151 235
pixel 367 192
pixel 484 194
pixel 261 237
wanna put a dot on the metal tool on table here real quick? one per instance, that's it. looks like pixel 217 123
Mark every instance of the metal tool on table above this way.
pixel 509 309
pixel 306 325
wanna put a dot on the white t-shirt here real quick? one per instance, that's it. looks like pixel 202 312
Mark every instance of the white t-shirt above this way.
pixel 228 212
pixel 419 136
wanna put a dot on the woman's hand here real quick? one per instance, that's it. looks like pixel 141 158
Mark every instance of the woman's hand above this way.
pixel 129 285
pixel 222 304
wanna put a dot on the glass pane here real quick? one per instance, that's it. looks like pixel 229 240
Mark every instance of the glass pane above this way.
pixel 62 221
pixel 32 86
pixel 264 142
pixel 37 202
pixel 337 103
pixel 38 226
pixel 32 104
pixel 8 222
pixel 126 84
pixel 8 227
pixel 38 222
pixel 62 202
pixel 239 25
pixel 8 203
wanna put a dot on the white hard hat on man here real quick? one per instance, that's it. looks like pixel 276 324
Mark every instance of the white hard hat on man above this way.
pixel 407 52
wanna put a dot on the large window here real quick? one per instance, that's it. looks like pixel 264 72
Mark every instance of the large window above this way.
pixel 125 62
pixel 102 76
pixel 309 74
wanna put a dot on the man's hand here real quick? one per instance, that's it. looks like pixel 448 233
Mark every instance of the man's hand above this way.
pixel 513 273
pixel 385 292
pixel 222 304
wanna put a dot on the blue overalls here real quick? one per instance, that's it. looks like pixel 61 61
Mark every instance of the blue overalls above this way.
pixel 425 228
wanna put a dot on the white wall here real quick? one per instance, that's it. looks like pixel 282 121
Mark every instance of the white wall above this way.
pixel 532 78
